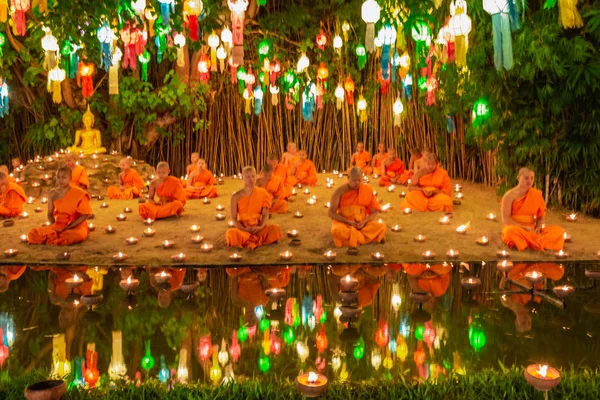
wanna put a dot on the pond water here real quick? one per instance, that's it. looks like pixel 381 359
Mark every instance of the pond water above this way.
pixel 354 322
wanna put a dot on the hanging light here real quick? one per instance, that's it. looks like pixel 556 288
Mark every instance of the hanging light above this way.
pixel 370 13
pixel 303 63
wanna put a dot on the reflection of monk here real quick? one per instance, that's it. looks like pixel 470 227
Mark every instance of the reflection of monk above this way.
pixel 12 197
pixel 523 213
pixel 247 285
pixel 175 281
pixel 431 278
pixel 429 190
pixel 369 280
pixel 275 187
pixel 130 182
pixel 9 274
pixel 79 175
pixel 171 198
pixel 201 183
pixel 304 171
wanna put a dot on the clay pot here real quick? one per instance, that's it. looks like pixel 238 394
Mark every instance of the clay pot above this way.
pixel 46 390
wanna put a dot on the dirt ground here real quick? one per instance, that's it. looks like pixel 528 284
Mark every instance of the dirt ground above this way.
pixel 314 229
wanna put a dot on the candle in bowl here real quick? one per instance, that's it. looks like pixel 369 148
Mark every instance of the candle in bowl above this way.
pixel 311 202
pixel 483 241
pixel 293 233
pixel 235 257
pixel 206 248
pixel 30 200
pixel 386 207
pixel 110 230
pixel 104 205
pixel 195 228
pixel 567 237
pixel 327 205
pixel 23 215
pixel 206 200
pixel 462 230
pixel 561 255
pixel 131 241
pixel 100 198
pixel 162 277
pixel 407 211
pixel 105 180
pixel 460 196
pixel 294 192
pixel 63 256
pixel 402 195
pixel 452 254
pixel 35 185
pixel 377 256
pixel 119 257
pixel 445 220
pixel 168 244
pixel 490 217
pixel 340 175
pixel 23 238
pixel 231 224
pixel 38 209
pixel 286 255
pixel 380 221
pixel 149 232
pixel 220 207
pixel 571 217
pixel 74 282
pixel 197 239
pixel 299 186
pixel 391 188
pixel 542 377
pixel 502 254
pixel 311 384
pixel 121 217
pixel 220 217
pixel 420 238
pixel 330 255
pixel 563 291
pixel 148 222
pixel 335 172
pixel 348 282
pixel 127 210
pixel 306 191
pixel 457 188
pixel 129 284
pixel 470 282
pixel 11 253
pixel 534 277
pixel 44 200
pixel 428 255
pixel 298 214
pixel 504 266
pixel 396 228
pixel 375 176
pixel 329 185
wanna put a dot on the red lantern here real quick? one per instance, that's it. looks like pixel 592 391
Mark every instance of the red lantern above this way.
pixel 90 369
pixel 205 347
pixel 274 70
pixel 349 86
pixel 322 341
pixel 235 350
pixel 382 335
pixel 321 40
pixel 250 80
pixel 191 10
pixel 275 343
pixel 419 355
pixel 20 7
pixel 204 68
pixel 85 72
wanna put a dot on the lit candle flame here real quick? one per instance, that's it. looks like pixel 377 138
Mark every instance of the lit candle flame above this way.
pixel 484 239
pixel 542 370
pixel 347 278
pixel 407 211
pixel 163 274
pixel 312 377
pixel 451 252
pixel 560 253
pixel 573 216
pixel 535 274
pixel 129 280
pixel 75 278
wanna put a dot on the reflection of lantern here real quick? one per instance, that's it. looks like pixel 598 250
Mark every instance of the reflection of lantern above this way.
pixel 191 10
pixel 349 87
pixel 215 370
pixel 55 77
pixel 235 350
pixel 376 359
pixel 419 355
pixel 182 369
pixel 321 340
pixel 361 55
pixel 50 46
pixel 223 354
pixel 91 361
pixel 321 40
pixel 238 14
pixel 359 349
pixel 20 8
pixel 388 363
pixel 303 63
pixel 147 360
pixel 401 348
pixel 275 343
pixel 477 338
pixel 84 78
pixel 481 111
pixel 302 350
pixel 205 347
pixel 381 334
pixel 264 364
pixel 117 368
pixel 460 24
pixel 289 335
pixel 370 12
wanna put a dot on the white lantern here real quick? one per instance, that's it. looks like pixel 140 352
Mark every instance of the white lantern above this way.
pixel 337 42
pixel 302 350
pixel 139 6
pixel 221 55
pixel 361 105
pixel 179 41
pixel 398 108
pixel 376 359
pixel 223 354
pixel 387 35
pixel 370 13
pixel 213 43
pixel 50 46
pixel 182 370
pixel 227 38
pixel 303 63
pixel 339 95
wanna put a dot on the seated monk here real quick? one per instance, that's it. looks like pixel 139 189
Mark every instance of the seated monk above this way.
pixel 431 278
pixel 354 210
pixel 131 182
pixel 250 214
pixel 429 190
pixel 79 175
pixel 201 183
pixel 9 274
pixel 190 168
pixel 16 163
pixel 361 159
pixel 290 157
pixel 379 158
pixel 4 168
pixel 274 186
pixel 68 208
pixel 281 171
pixel 413 166
pixel 523 213
pixel 12 197
pixel 304 171
pixel 171 198
pixel 391 169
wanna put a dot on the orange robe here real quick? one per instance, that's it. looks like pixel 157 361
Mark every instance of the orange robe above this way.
pixel 288 181
pixel 188 170
pixel 275 188
pixel 306 173
pixel 409 173
pixel 361 160
pixel 391 171
pixel 12 200
pixel 11 273
pixel 204 180
pixel 552 271
pixel 377 162
pixel 249 214
pixel 133 182
pixel 355 205
pixel 79 177
pixel 66 210
pixel 524 211
pixel 434 278
pixel 368 280
pixel 172 190
pixel 439 180
pixel 249 283
pixel 61 274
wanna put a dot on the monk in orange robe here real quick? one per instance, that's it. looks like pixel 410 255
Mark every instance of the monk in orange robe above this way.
pixel 391 169
pixel 201 183
pixel 247 285
pixel 282 172
pixel 361 159
pixel 131 183
pixel 9 274
pixel 413 166
pixel 16 163
pixel 250 214
pixel 523 213
pixel 291 156
pixel 274 186
pixel 429 190
pixel 353 209
pixel 171 197
pixel 304 170
pixel 190 168
pixel 379 158
pixel 12 197
pixel 68 209
pixel 434 278
pixel 79 175
pixel 4 168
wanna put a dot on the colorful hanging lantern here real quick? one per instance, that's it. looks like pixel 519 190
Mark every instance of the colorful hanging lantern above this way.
pixel 235 350
pixel 401 348
pixel 221 55
pixel 322 75
pixel 339 96
pixel 302 350
pixel 481 112
pixel 361 107
pixel 163 372
pixel 70 58
pixel 182 369
pixel 250 80
pixel 397 108
pixel 388 363
pixel 204 68
pixel 3 11
pixel 205 347
pixel 151 16
pixel 568 15
pixel 166 8
pixel 321 340
pixel 421 34
pixel 460 24
pixel 432 84
pixel 258 100
pixel 147 360
pixel 337 44
pixel 106 37
pixel 289 335
pixel 241 79
pixel 387 36
pixel 370 12
pixel 303 63
pixel 78 379
pixel 55 76
pixel 264 364
pixel 445 38
pixel 266 342
pixel 215 371
pixel 407 86
pixel 477 338
pixel 349 87
pixel 274 70
pixel 501 30
pixel 117 368
pixel 50 46
pixel 2 42
pixel 223 354
pixel 238 14
pixel 382 334
pixel 139 6
pixel 179 41
pixel 375 359
pixel 308 106
pixel 85 73
pixel 191 10
pixel 213 43
pixel 160 40
pixel 227 39
pixel 321 40
pixel 144 60
pixel 60 366
pixel 113 72
pixel 359 349
pixel 361 55
pixel 91 372
pixel 19 9
pixel 130 53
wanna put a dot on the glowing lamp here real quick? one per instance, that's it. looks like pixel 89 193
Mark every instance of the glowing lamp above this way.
pixel 337 42
pixel 370 13
pixel 481 112
pixel 303 63
pixel 147 360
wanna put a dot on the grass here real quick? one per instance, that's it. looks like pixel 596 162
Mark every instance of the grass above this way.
pixel 314 232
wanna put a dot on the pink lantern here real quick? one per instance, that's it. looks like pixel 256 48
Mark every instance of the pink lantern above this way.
pixel 235 350
pixel 238 14
pixel 205 347
pixel 20 7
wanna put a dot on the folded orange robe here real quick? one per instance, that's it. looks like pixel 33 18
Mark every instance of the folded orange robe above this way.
pixel 433 278
pixel 133 182
pixel 249 283
pixel 12 200
pixel 79 177
pixel 438 180
pixel 172 190
pixel 275 188
pixel 306 173
pixel 66 210
pixel 288 181
pixel 205 181
pixel 377 161
pixel 355 205
pixel 551 271
pixel 524 211
pixel 361 161
pixel 249 214
pixel 391 171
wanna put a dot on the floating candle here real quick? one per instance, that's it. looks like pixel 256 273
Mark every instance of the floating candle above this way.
pixel 396 228
pixel 428 255
pixel 162 277
pixel 462 229
pixel 194 228
pixel 490 217
pixel 206 200
pixel 220 217
pixel 453 254
pixel 168 244
pixel 197 239
pixel 235 257
pixel 131 240
pixel 127 210
pixel 294 192
pixel 561 255
pixel 470 282
pixel 293 233
pixel 121 217
pixel 23 215
pixel 286 255
pixel 571 217
pixel 329 255
pixel 311 384
pixel 563 291
pixel 220 207
pixel 110 230
pixel 502 254
pixel 298 214
pixel 445 220
pixel 103 205
pixel 44 200
pixel 391 188
pixel 483 241
pixel 327 205
pixel 119 257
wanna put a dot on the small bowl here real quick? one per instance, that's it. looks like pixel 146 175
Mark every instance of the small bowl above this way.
pixel 502 254
pixel 456 202
pixel 119 257
pixel 110 230
pixel 178 258
pixel 121 217
pixel 377 256
pixel 220 217
pixel 149 232
pixel 563 291
pixel 100 197
pixel 197 239
pixel 131 241
pixel 168 244
pixel 402 195
pixel 470 282
pixel 286 256
pixel 298 214
pixel 104 205
pixel 10 253
pixel 38 209
pixel 295 242
pixel 428 255
pixel 396 228
pixel 127 210
pixel 195 228
pixel 561 255
pixel 206 248
pixel 8 223
pixel 420 238
pixel 407 211
pixel 148 222
pixel 504 266
pixel 235 257
pixel 293 233
pixel 330 255
pixel 452 254
pixel 64 256
pixel 353 251
pixel 220 207
pixel 534 277
pixel 483 241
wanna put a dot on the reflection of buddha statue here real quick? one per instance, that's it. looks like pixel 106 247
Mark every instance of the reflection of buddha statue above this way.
pixel 87 140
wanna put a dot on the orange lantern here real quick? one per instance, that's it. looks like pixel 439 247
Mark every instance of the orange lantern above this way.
pixel 381 335
pixel 321 40
pixel 322 341
pixel 349 86
pixel 204 68
pixel 20 8
pixel 91 370
pixel 85 72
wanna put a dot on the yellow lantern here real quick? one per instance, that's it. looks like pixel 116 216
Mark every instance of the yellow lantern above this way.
pixel 302 350
pixel 227 39
pixel 388 362
pixel 113 72
pixel 344 373
pixel 179 41
pixel 370 13
pixel 55 77
pixel 361 106
pixel 60 366
pixel 460 25
pixel 182 369
pixel 117 368
pixel 215 370
pixel 213 43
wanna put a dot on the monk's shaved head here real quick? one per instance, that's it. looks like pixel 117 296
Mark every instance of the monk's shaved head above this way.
pixel 291 145
pixel 162 165
pixel 415 150
pixel 3 175
pixel 4 168
pixel 431 157
pixel 391 151
pixel 248 168
pixel 524 170
pixel 66 171
pixel 196 154
pixel 302 153
pixel 125 161
pixel 69 156
pixel 355 172
pixel 273 157
pixel 267 169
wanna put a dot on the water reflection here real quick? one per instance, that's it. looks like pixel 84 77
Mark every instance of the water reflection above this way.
pixel 347 322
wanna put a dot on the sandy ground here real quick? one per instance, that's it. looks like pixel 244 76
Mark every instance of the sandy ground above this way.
pixel 314 230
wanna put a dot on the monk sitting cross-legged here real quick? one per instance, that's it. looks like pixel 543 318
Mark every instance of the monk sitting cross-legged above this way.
pixel 353 209
pixel 523 212
pixel 68 208
pixel 290 157
pixel 429 189
pixel 4 168
pixel 274 186
pixel 201 183
pixel 391 169
pixel 361 159
pixel 250 214
pixel 413 166
pixel 282 172
pixel 131 182
pixel 304 170
pixel 379 158
pixel 171 199
pixel 190 168
pixel 12 197
pixel 79 175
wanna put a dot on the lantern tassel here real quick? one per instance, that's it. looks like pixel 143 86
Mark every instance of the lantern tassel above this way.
pixel 503 53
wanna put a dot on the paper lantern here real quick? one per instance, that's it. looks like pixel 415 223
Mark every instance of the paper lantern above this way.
pixel 500 10
pixel 264 46
pixel 431 85
pixel 215 371
pixel 376 359
pixel 382 334
pixel 387 36
pixel 445 38
pixel 388 363
pixel 481 112
pixel 359 349
pixel 308 106
pixel 264 364
pixel 337 43
pixel 361 107
pixel 205 348
pixel 303 63
pixel 339 95
pixel 163 372
pixel 223 354
pixel 129 38
pixel 235 350
pixel 2 42
pixel 166 8
pixel 151 16
pixel 182 369
pixel 238 14
pixel 85 73
pixel 477 337
pixel 349 87
pixel 106 37
pixel 460 24
pixel 221 55
pixel 258 100
pixel 91 372
pixel 144 60
pixel 117 368
pixel 568 15
pixel 274 70
pixel 227 38
pixel 422 36
pixel 204 68
pixel 139 6
pixel 321 40
pixel 50 47
pixel 191 10
pixel 407 86
pixel 113 72
pixel 302 350
pixel 179 41
pixel 160 40
pixel 370 13
pixel 147 360
pixel 55 76
pixel 361 55
pixel 19 8
pixel 3 11
pixel 321 340
pixel 69 58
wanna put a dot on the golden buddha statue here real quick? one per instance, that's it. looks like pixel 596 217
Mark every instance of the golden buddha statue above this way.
pixel 87 140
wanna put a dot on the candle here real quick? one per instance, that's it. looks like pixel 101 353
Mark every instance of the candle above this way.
pixel 131 240
pixel 231 224
pixel 377 256
pixel 110 230
pixel 462 229
pixel 571 217
pixel 121 217
pixel 194 228
pixel 429 255
pixel 220 207
pixel 197 239
pixel 457 188
pixel 390 188
pixel 386 207
pixel 470 283
pixel 129 284
pixel 490 217
pixel 162 277
pixel 293 233
pixel 311 202
pixel 206 248
pixel 483 241
pixel 206 200
pixel 100 198
pixel 504 266
pixel 327 205
pixel 298 214
pixel 375 176
pixel 563 291
pixel 567 237
pixel 460 196
pixel 348 282
pixel 312 384
pixel 38 210
pixel 407 211
pixel 299 186
pixel 542 377
pixel 30 200
pixel 44 200
pixel 35 185
pixel 127 210
pixel 420 238
pixel 335 172
pixel 119 257
pixel 103 205
pixel 91 227
pixel 96 166
pixel 329 185
pixel 329 255
pixel 561 255
pixel 340 175
pixel 380 221
pixel 235 257
pixel 396 228
pixel 453 254
pixel 534 277
pixel 23 238
pixel 220 217
pixel 168 244
pixel 286 255
pixel 294 192
pixel 11 253
pixel 375 193
pixel 502 254
pixel 445 220
pixel 148 222
pixel 149 232
pixel 23 215
pixel 306 191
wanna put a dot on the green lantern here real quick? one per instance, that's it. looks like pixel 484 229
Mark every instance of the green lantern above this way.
pixel 476 336
pixel 261 2
pixel 241 78
pixel 263 49
pixel 263 363
pixel 144 59
pixel 2 42
pixel 148 360
pixel 419 332
pixel 264 324
pixel 243 334
pixel 289 335
pixel 361 54
pixel 481 111
pixel 359 349
pixel 323 317
pixel 289 80
pixel 422 83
